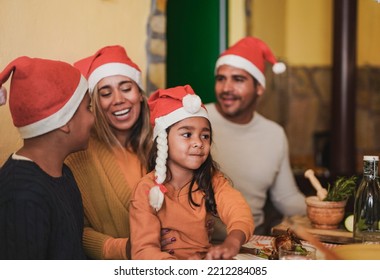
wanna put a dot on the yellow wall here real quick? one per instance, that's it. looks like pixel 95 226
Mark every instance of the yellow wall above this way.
pixel 237 27
pixel 268 24
pixel 368 47
pixel 309 27
pixel 297 31
pixel 66 30
pixel 300 32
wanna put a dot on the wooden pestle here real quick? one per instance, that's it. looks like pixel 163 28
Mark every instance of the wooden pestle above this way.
pixel 321 192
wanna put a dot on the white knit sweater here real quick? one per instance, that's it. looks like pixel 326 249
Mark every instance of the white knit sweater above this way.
pixel 256 157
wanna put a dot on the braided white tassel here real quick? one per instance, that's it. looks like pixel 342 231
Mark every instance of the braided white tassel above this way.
pixel 156 194
pixel 162 154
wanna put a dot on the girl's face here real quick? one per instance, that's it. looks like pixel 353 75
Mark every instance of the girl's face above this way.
pixel 120 99
pixel 189 143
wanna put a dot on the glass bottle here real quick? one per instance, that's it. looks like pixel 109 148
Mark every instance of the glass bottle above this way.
pixel 367 203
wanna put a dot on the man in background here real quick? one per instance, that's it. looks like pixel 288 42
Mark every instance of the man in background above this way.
pixel 251 149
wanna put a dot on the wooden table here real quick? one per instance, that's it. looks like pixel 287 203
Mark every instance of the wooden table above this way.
pixel 337 236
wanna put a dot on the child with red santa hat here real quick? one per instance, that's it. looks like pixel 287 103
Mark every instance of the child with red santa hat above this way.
pixel 184 187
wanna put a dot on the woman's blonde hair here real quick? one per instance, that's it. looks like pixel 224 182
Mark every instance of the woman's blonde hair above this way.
pixel 140 141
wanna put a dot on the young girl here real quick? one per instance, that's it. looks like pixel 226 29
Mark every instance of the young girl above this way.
pixel 185 187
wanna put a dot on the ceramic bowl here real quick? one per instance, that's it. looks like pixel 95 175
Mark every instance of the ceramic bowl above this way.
pixel 325 214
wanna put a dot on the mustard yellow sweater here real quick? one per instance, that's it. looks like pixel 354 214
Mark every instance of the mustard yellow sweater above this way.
pixel 106 179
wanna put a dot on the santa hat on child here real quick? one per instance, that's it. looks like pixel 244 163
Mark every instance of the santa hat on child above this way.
pixel 167 107
pixel 108 61
pixel 43 95
pixel 250 54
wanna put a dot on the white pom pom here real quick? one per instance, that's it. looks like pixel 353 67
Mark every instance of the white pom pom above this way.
pixel 192 103
pixel 156 198
pixel 3 96
pixel 279 68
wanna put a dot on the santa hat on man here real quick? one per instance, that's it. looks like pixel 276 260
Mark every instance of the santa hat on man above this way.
pixel 43 95
pixel 108 61
pixel 250 54
pixel 167 107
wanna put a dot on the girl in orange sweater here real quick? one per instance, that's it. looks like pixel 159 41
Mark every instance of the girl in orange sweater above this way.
pixel 184 187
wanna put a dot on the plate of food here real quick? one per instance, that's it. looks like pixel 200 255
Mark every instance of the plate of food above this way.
pixel 256 249
pixel 267 248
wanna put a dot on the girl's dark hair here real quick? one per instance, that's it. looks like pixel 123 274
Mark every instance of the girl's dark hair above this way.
pixel 202 176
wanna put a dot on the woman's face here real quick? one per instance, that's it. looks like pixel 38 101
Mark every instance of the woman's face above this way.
pixel 120 100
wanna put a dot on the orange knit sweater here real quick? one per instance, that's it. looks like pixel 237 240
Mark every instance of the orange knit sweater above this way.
pixel 187 222
pixel 105 179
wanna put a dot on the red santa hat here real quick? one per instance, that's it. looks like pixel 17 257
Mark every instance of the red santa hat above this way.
pixel 168 106
pixel 250 54
pixel 43 95
pixel 108 61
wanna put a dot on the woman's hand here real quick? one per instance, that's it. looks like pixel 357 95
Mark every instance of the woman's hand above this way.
pixel 166 240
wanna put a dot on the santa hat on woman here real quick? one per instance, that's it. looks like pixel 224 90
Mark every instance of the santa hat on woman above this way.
pixel 44 94
pixel 250 54
pixel 108 61
pixel 167 107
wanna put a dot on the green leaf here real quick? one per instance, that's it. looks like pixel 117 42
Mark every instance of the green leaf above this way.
pixel 342 189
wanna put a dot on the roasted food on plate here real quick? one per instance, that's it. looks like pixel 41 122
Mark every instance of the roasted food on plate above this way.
pixel 288 240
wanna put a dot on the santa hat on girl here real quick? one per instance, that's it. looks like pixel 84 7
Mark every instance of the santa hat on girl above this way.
pixel 44 94
pixel 250 54
pixel 167 107
pixel 108 61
